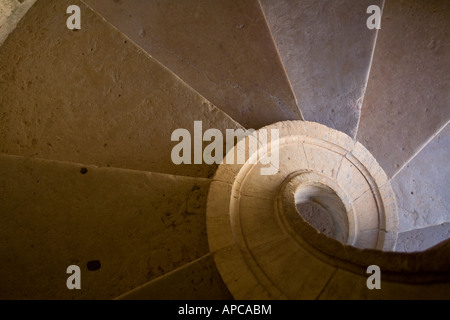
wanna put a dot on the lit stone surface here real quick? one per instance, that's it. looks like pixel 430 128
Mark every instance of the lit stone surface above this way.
pixel 11 11
pixel 326 49
pixel 255 216
pixel 364 204
pixel 138 225
pixel 241 280
pixel 6 8
pixel 423 187
pixel 263 215
pixel 423 238
pixel 221 48
pixel 282 261
pixel 351 179
pixel 407 97
pixel 93 97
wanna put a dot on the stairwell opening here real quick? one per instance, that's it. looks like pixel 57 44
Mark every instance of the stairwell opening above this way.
pixel 322 208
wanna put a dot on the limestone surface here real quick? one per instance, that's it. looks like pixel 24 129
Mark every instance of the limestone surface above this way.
pixel 408 92
pixel 255 217
pixel 11 11
pixel 421 239
pixel 422 189
pixel 91 96
pixel 326 49
pixel 221 48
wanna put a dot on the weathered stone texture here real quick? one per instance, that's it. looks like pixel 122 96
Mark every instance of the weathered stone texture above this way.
pixel 422 238
pixel 91 96
pixel 326 49
pixel 408 92
pixel 422 188
pixel 222 48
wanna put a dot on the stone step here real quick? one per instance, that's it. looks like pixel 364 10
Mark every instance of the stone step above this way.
pixel 11 11
pixel 326 49
pixel 93 97
pixel 407 96
pixel 422 187
pixel 137 226
pixel 198 280
pixel 222 48
pixel 422 239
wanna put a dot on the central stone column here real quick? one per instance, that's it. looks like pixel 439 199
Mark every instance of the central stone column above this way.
pixel 323 180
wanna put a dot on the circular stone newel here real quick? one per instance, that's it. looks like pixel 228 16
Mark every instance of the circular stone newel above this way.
pixel 322 177
pixel 321 207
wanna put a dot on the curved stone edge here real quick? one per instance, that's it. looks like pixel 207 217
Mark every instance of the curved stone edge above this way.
pixel 429 266
pixel 382 191
pixel 342 144
pixel 224 179
pixel 286 203
pixel 228 172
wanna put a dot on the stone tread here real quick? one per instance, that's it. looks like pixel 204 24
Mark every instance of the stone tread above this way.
pixel 222 48
pixel 327 50
pixel 139 225
pixel 407 96
pixel 92 96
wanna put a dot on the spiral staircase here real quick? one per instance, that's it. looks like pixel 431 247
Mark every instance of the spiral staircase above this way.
pixel 86 172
